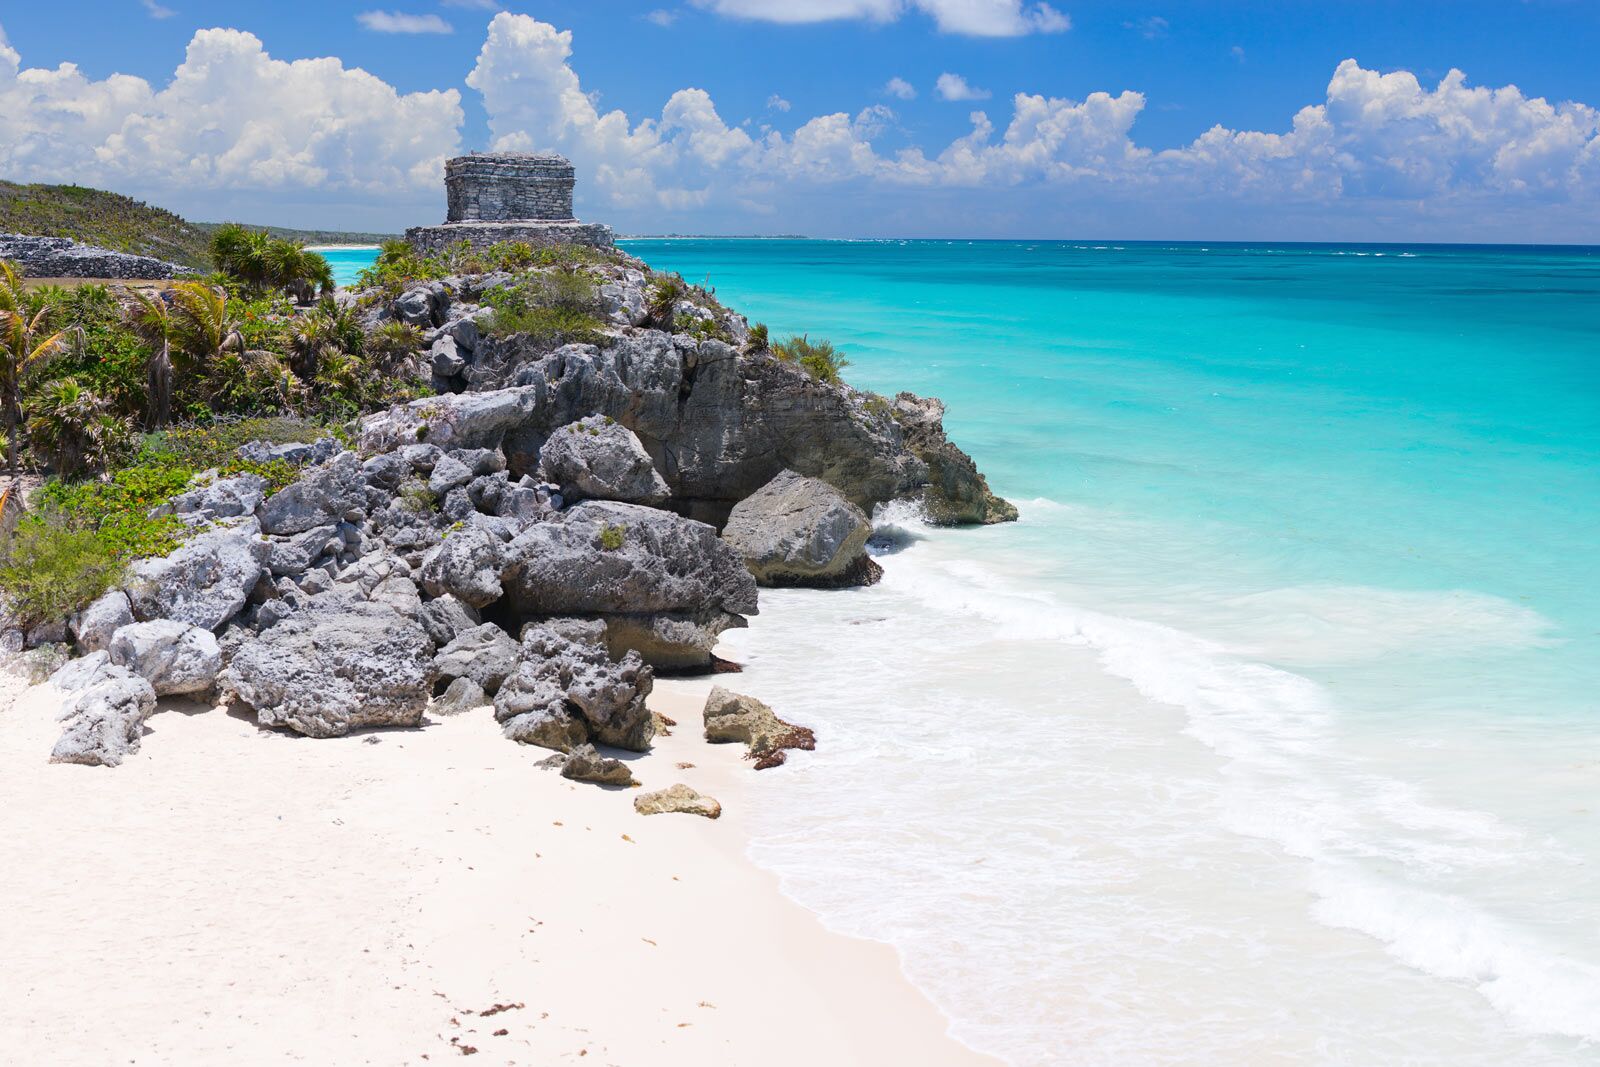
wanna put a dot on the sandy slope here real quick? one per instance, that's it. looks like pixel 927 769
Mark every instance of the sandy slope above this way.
pixel 233 895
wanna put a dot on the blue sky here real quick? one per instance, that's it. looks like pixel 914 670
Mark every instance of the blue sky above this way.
pixel 796 128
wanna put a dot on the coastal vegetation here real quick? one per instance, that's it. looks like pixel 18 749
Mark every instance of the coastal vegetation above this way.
pixel 123 224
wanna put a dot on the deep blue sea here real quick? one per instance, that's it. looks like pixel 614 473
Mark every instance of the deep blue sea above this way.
pixel 1272 732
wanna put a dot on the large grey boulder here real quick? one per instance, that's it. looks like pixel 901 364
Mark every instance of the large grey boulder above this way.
pixel 566 687
pixel 446 618
pixel 294 554
pixel 468 566
pixel 95 625
pixel 461 695
pixel 458 420
pixel 332 493
pixel 223 499
pixel 486 654
pixel 645 572
pixel 799 531
pixel 597 458
pixel 294 453
pixel 205 581
pixel 104 707
pixel 956 494
pixel 174 657
pixel 336 664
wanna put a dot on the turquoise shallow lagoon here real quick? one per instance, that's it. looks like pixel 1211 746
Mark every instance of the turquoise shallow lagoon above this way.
pixel 1271 733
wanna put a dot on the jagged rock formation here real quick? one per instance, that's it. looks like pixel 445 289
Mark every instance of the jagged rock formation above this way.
pixel 509 196
pixel 733 717
pixel 956 493
pixel 62 257
pixel 800 531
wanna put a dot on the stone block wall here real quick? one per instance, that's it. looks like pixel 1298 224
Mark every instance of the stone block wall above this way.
pixel 509 187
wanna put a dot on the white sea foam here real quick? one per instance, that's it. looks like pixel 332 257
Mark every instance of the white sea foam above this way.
pixel 1035 821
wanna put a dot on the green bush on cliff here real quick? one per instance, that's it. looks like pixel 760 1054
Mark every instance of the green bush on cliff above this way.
pixel 552 308
pixel 51 570
pixel 818 358
pixel 83 534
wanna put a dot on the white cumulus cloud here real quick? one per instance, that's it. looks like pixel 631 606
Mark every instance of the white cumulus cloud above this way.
pixel 778 103
pixel 955 87
pixel 231 118
pixel 977 18
pixel 400 22
pixel 900 89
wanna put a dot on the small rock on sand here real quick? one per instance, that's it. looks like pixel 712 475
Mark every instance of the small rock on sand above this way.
pixel 677 798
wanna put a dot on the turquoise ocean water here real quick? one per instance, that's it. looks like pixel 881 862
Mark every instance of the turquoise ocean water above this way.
pixel 348 261
pixel 1271 734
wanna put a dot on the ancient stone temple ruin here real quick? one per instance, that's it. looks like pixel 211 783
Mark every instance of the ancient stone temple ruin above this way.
pixel 509 196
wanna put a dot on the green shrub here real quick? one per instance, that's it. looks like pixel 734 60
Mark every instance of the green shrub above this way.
pixel 662 299
pixel 416 496
pixel 553 308
pixel 758 340
pixel 611 537
pixel 817 358
pixel 52 570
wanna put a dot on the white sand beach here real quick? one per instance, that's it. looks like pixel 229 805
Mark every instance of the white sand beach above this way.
pixel 402 896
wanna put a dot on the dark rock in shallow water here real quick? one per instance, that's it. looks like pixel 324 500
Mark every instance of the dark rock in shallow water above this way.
pixel 956 494
pixel 800 531
pixel 731 716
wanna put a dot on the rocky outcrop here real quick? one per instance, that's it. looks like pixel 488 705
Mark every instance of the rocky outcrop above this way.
pixel 174 657
pixel 717 425
pixel 61 257
pixel 731 717
pixel 336 664
pixel 205 581
pixel 463 694
pixel 598 458
pixel 677 798
pixel 104 708
pixel 226 498
pixel 485 654
pixel 665 585
pixel 956 493
pixel 94 626
pixel 334 492
pixel 799 531
pixel 467 566
pixel 567 689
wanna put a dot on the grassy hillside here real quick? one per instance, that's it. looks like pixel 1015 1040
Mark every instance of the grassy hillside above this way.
pixel 123 224
pixel 100 218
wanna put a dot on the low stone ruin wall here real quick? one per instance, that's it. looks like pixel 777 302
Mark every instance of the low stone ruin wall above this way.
pixel 60 257
pixel 480 235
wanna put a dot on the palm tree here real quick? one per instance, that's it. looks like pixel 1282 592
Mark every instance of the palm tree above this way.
pixel 151 318
pixel 74 425
pixel 205 326
pixel 244 253
pixel 328 331
pixel 23 345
